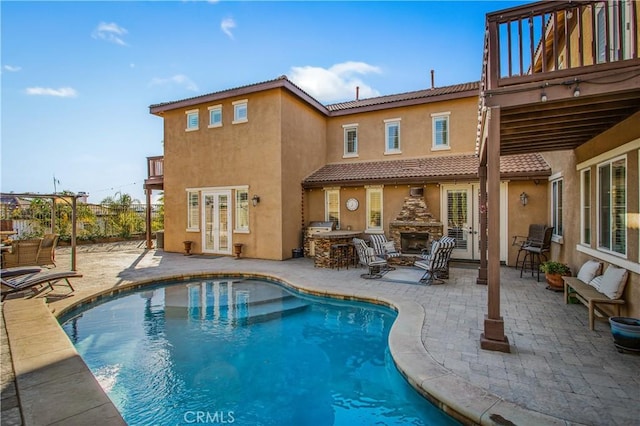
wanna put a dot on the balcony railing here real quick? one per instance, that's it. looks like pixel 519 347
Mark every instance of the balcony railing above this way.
pixel 155 167
pixel 527 42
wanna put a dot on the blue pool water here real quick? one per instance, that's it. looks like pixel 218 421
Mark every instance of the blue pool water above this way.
pixel 246 352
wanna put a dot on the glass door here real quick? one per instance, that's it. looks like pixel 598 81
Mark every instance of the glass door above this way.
pixel 458 219
pixel 216 237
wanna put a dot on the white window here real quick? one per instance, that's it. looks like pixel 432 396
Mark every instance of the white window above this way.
pixel 192 120
pixel 620 30
pixel 193 211
pixel 215 116
pixel 440 125
pixel 240 111
pixel 556 208
pixel 585 203
pixel 612 206
pixel 242 210
pixel 332 206
pixel 350 140
pixel 374 209
pixel 392 136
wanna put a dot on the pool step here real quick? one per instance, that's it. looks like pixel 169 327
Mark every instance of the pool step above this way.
pixel 267 310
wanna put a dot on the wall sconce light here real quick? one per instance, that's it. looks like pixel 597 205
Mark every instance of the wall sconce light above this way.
pixel 524 199
pixel 543 97
pixel 255 200
pixel 576 92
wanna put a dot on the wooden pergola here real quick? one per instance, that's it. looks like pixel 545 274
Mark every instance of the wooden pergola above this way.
pixel 72 200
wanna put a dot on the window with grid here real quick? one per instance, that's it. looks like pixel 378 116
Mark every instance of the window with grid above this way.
pixel 192 120
pixel 193 211
pixel 350 140
pixel 556 207
pixel 585 217
pixel 374 209
pixel 612 206
pixel 242 210
pixel 215 116
pixel 440 124
pixel 392 136
pixel 332 206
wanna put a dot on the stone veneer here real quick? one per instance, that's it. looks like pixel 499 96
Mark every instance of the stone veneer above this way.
pixel 414 217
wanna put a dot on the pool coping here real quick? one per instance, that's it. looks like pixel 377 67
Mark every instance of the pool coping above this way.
pixel 55 385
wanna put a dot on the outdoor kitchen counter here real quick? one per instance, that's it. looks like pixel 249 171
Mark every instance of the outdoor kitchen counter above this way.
pixel 323 242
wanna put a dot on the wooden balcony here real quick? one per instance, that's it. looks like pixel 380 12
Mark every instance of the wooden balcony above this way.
pixel 561 73
pixel 155 173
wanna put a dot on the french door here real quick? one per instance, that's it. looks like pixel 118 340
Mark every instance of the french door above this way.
pixel 461 219
pixel 216 217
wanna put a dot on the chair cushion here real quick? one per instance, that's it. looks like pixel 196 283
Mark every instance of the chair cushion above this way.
pixel 589 271
pixel 613 282
pixel 389 247
pixel 596 282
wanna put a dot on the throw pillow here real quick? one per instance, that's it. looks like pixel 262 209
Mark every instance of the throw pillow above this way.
pixel 589 271
pixel 596 282
pixel 613 281
pixel 389 247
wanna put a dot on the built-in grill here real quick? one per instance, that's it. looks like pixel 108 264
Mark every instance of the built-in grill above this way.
pixel 315 228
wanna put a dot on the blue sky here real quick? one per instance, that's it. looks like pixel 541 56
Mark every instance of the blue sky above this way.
pixel 78 77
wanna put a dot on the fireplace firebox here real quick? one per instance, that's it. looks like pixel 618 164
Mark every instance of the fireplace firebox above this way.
pixel 414 242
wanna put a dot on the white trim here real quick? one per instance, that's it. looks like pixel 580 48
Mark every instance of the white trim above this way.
pixel 211 108
pixel 344 126
pixel 241 101
pixel 217 188
pixel 614 260
pixel 236 104
pixel 392 120
pixel 555 176
pixel 187 114
pixel 440 114
pixel 350 156
pixel 442 147
pixel 388 123
pixel 615 152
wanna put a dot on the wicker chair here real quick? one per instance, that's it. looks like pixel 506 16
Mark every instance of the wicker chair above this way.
pixel 47 254
pixel 23 253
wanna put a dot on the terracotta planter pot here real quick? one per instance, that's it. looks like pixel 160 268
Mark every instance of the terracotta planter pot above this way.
pixel 555 281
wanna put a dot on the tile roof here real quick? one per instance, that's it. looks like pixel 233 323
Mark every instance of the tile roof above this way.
pixel 408 96
pixel 425 169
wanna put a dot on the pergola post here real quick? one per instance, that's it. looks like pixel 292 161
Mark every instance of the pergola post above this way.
pixel 493 337
pixel 74 220
pixel 148 218
pixel 482 271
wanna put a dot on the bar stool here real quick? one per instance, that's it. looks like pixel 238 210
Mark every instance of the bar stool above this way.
pixel 339 256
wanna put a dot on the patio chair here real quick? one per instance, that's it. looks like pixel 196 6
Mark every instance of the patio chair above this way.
pixel 366 256
pixel 23 253
pixel 436 264
pixel 47 253
pixel 536 233
pixel 33 281
pixel 383 247
pixel 536 251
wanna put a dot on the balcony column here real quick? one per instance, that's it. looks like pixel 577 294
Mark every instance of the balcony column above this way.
pixel 493 338
pixel 482 270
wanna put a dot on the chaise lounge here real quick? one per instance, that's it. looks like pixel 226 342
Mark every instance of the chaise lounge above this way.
pixel 32 281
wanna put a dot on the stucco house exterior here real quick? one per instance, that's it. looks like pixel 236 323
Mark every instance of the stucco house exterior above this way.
pixel 545 140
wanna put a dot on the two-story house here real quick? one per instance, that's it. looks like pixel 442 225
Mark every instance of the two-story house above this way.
pixel 256 164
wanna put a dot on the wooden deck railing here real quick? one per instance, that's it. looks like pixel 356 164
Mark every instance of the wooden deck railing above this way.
pixel 155 167
pixel 526 43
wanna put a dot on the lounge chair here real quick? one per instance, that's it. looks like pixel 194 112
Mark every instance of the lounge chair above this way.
pixel 33 281
pixel 436 264
pixel 366 255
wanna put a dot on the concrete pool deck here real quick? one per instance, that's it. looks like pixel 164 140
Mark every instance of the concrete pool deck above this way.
pixel 559 372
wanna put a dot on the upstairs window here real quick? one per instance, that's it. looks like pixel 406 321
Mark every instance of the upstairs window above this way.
pixel 350 140
pixel 192 120
pixel 240 112
pixel 215 116
pixel 440 125
pixel 392 136
pixel 585 196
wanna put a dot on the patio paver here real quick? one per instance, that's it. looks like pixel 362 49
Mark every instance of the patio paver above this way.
pixel 559 372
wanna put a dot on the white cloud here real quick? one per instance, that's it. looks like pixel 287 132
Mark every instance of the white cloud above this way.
pixel 63 92
pixel 12 68
pixel 110 32
pixel 336 83
pixel 227 25
pixel 179 79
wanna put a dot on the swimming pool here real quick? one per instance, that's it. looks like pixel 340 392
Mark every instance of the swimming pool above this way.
pixel 245 352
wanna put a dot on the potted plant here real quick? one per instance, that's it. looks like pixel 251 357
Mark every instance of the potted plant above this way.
pixel 553 272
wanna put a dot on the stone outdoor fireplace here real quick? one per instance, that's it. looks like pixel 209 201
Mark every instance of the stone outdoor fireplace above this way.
pixel 415 227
